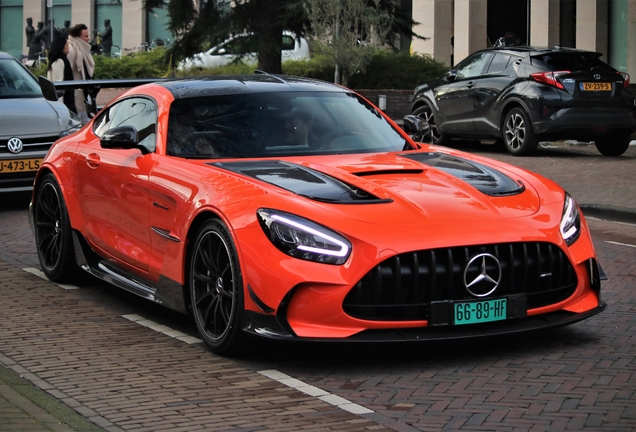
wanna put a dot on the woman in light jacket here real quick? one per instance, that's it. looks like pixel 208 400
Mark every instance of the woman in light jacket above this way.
pixel 59 68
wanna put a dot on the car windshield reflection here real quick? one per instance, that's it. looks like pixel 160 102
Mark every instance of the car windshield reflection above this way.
pixel 278 124
pixel 17 82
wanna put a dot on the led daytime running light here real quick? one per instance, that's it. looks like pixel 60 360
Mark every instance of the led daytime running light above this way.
pixel 344 249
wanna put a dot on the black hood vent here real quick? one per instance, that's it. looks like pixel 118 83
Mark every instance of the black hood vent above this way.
pixel 485 179
pixel 302 181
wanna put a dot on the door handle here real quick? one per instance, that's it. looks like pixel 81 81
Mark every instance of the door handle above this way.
pixel 470 84
pixel 92 160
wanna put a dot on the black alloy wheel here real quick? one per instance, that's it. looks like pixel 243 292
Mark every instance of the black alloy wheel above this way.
pixel 518 134
pixel 613 145
pixel 425 112
pixel 216 288
pixel 53 236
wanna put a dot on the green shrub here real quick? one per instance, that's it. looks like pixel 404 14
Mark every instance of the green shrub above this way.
pixel 387 70
pixel 148 64
pixel 397 71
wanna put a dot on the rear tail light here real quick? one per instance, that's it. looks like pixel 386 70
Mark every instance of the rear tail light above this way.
pixel 625 79
pixel 550 78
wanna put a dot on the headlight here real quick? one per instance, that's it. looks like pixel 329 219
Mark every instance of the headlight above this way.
pixel 302 238
pixel 570 221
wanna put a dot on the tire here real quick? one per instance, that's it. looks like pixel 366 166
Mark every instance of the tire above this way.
pixel 53 237
pixel 216 288
pixel 425 112
pixel 518 136
pixel 613 145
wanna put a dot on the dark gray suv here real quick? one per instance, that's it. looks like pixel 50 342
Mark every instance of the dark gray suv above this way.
pixel 522 95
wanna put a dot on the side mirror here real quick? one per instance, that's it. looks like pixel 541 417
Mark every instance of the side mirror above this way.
pixel 416 127
pixel 221 51
pixel 122 137
pixel 450 75
pixel 48 89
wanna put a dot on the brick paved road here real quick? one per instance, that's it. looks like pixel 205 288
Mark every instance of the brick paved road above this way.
pixel 123 376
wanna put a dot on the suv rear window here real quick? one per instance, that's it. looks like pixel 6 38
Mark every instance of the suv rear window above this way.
pixel 568 61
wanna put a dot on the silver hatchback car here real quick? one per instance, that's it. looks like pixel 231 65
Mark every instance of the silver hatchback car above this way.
pixel 29 124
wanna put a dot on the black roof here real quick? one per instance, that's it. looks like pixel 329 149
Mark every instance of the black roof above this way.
pixel 238 84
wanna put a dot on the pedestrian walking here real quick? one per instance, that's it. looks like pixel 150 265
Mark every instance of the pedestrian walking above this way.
pixel 82 65
pixel 59 68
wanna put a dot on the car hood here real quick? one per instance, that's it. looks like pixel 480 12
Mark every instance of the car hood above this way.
pixel 411 187
pixel 32 117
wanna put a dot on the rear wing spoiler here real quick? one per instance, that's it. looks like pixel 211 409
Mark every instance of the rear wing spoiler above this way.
pixel 91 87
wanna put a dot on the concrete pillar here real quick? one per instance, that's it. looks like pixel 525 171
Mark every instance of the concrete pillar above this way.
pixel 83 12
pixel 631 40
pixel 544 22
pixel 591 25
pixel 436 24
pixel 470 27
pixel 133 22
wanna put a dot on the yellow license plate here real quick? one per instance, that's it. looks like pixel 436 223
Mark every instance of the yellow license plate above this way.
pixel 596 86
pixel 19 165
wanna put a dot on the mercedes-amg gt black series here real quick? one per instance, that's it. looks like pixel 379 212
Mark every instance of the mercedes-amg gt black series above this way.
pixel 522 95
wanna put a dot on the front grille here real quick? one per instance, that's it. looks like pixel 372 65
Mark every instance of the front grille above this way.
pixel 402 287
pixel 38 144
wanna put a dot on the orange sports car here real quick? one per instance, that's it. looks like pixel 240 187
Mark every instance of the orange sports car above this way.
pixel 294 209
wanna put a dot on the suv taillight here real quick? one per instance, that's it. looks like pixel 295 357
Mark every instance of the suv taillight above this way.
pixel 549 78
pixel 625 79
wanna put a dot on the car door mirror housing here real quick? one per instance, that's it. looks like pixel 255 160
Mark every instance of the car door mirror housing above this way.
pixel 122 137
pixel 450 76
pixel 415 125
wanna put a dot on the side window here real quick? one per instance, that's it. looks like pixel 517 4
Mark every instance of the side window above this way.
pixel 141 113
pixel 499 62
pixel 288 42
pixel 473 66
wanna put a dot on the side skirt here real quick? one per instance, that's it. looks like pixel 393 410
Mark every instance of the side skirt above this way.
pixel 165 292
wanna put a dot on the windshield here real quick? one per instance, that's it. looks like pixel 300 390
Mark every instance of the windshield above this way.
pixel 278 124
pixel 16 81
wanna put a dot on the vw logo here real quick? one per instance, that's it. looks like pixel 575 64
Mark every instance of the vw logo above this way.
pixel 482 275
pixel 597 76
pixel 15 145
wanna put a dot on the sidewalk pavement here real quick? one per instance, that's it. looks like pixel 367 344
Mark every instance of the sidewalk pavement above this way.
pixel 27 408
pixel 604 187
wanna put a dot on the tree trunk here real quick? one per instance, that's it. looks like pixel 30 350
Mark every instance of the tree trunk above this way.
pixel 270 37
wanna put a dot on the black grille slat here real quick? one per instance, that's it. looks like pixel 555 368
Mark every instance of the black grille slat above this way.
pixel 402 287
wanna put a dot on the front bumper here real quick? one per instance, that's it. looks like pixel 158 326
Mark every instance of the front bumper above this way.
pixel 269 327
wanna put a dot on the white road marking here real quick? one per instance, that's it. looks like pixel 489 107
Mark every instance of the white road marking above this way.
pixel 176 334
pixel 282 378
pixel 41 274
pixel 331 399
pixel 620 244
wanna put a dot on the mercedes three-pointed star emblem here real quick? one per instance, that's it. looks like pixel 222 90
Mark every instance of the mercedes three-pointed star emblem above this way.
pixel 482 275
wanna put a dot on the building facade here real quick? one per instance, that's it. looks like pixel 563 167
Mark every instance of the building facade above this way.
pixel 132 25
pixel 453 28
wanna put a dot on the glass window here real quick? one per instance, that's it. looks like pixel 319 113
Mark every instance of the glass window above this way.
pixel 141 113
pixel 568 61
pixel 16 81
pixel 473 66
pixel 60 12
pixel 12 26
pixel 499 63
pixel 288 42
pixel 277 124
pixel 157 26
pixel 107 9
